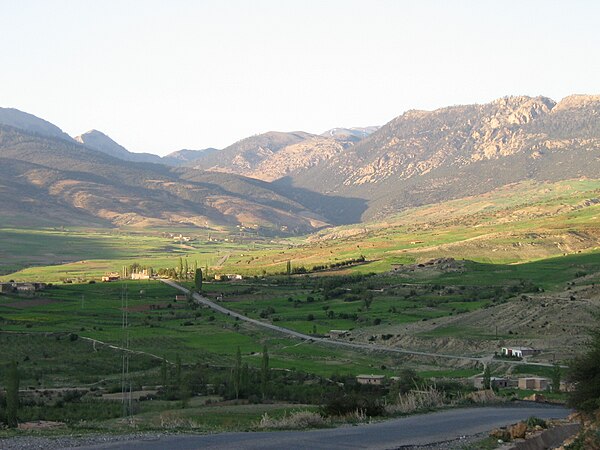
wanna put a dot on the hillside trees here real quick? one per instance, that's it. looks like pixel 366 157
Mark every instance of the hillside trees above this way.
pixel 264 374
pixel 585 375
pixel 237 373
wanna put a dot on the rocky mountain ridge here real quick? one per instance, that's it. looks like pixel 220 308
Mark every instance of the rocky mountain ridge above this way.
pixel 417 158
pixel 47 181
pixel 423 157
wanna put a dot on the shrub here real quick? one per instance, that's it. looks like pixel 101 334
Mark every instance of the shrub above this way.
pixel 340 405
pixel 296 420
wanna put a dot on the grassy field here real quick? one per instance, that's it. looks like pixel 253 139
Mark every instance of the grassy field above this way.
pixel 45 333
pixel 515 224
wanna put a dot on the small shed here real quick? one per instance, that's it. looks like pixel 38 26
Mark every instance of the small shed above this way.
pixel 376 380
pixel 495 382
pixel 519 352
pixel 113 276
pixel 25 287
pixel 534 383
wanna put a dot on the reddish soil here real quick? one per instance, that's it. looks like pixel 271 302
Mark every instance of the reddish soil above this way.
pixel 30 303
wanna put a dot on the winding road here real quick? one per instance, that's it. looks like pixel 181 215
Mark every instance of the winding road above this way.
pixel 370 347
pixel 423 429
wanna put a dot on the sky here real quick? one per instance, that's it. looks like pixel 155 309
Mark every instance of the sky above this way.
pixel 159 76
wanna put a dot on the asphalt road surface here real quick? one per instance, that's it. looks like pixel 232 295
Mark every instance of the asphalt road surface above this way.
pixel 421 429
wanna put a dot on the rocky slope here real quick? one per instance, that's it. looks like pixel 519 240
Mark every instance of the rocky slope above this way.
pixel 185 156
pixel 423 157
pixel 246 155
pixel 49 181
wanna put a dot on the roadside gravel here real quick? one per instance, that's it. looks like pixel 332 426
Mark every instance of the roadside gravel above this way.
pixel 73 441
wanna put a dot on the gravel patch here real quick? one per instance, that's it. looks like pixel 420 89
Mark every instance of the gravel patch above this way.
pixel 66 442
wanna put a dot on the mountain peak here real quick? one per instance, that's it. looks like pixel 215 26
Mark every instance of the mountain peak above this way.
pixel 99 141
pixel 577 101
pixel 30 123
pixel 92 133
pixel 354 133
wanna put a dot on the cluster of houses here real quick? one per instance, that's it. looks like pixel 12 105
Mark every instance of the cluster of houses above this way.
pixel 143 274
pixel 21 288
pixel 228 276
pixel 525 383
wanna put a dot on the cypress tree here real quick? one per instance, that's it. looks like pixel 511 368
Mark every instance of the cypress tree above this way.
pixel 198 280
pixel 556 375
pixel 264 372
pixel 487 378
pixel 237 373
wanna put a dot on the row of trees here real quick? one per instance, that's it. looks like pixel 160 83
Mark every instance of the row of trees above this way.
pixel 241 375
pixel 184 271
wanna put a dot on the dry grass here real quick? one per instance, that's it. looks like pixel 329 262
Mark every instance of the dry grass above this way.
pixel 418 400
pixel 296 420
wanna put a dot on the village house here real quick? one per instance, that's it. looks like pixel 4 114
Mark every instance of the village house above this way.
pixel 375 380
pixel 534 383
pixel 519 352
pixel 228 276
pixel 141 275
pixel 495 382
pixel 113 276
pixel 23 288
pixel 8 288
pixel 180 298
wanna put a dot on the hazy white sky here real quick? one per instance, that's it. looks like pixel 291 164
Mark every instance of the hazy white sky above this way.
pixel 159 76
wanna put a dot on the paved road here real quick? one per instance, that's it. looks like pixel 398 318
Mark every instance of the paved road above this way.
pixel 370 347
pixel 424 429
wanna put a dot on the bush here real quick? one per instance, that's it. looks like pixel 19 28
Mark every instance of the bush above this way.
pixel 297 420
pixel 340 405
pixel 533 422
pixel 585 376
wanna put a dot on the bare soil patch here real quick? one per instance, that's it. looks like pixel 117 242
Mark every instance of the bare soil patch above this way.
pixel 30 303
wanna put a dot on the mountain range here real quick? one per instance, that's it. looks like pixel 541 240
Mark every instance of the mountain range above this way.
pixel 297 181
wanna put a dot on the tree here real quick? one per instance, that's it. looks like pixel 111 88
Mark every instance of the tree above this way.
pixel 264 372
pixel 198 280
pixel 178 369
pixel 163 373
pixel 186 269
pixel 487 377
pixel 289 267
pixel 12 395
pixel 556 375
pixel 245 378
pixel 584 374
pixel 180 267
pixel 237 373
pixel 368 300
